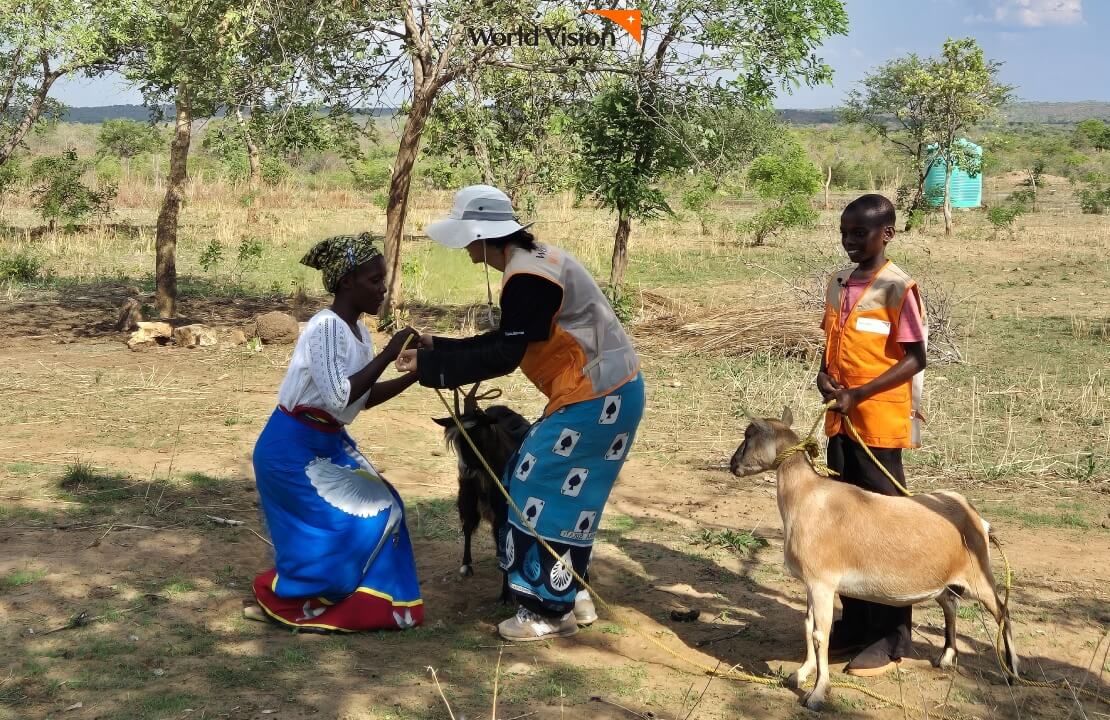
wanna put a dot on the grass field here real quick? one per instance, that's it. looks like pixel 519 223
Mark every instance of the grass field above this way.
pixel 111 461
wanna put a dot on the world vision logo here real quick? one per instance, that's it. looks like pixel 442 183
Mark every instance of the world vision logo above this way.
pixel 630 20
pixel 533 35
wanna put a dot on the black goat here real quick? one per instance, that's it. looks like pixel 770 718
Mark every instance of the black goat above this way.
pixel 497 432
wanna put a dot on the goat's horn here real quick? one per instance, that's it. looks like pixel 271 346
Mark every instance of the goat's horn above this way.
pixel 458 410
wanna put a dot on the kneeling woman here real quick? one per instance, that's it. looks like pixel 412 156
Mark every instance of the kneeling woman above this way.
pixel 342 556
pixel 557 326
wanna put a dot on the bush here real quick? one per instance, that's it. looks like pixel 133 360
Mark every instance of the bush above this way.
pixel 1094 200
pixel 371 175
pixel 127 138
pixel 59 193
pixel 791 179
pixel 1002 217
pixel 11 173
pixel 274 170
pixel 21 267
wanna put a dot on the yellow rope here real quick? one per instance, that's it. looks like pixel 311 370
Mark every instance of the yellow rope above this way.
pixel 730 674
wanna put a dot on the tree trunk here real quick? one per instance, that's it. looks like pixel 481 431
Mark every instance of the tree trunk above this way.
pixel 620 252
pixel 828 181
pixel 254 180
pixel 948 197
pixel 398 206
pixel 1033 185
pixel 166 233
pixel 34 110
pixel 481 155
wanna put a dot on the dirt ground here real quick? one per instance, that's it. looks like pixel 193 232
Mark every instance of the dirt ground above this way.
pixel 112 461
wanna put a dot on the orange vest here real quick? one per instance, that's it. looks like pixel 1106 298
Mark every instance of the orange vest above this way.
pixel 862 349
pixel 588 354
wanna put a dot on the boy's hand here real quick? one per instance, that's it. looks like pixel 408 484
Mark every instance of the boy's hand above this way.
pixel 846 400
pixel 426 342
pixel 826 385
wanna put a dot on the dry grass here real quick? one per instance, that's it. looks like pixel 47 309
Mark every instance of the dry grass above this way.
pixel 785 330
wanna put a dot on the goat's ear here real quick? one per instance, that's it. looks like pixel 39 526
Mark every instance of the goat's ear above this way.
pixel 787 416
pixel 761 425
pixel 444 422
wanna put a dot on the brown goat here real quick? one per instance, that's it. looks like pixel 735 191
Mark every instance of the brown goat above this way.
pixel 497 432
pixel 898 551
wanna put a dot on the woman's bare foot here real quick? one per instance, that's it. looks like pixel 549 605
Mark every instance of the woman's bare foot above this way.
pixel 254 612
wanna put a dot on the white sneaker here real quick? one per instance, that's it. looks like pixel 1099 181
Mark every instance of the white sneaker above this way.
pixel 584 611
pixel 527 626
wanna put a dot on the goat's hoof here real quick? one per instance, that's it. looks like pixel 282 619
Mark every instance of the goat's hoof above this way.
pixel 947 659
pixel 466 571
pixel 813 701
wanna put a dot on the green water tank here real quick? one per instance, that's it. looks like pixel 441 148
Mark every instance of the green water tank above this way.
pixel 967 190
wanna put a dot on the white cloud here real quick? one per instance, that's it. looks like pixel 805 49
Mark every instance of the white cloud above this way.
pixel 1037 13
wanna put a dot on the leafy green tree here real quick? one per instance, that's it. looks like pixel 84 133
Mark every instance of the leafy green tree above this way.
pixel 958 90
pixel 127 139
pixel 202 55
pixel 60 194
pixel 887 105
pixel 641 125
pixel 624 153
pixel 1093 133
pixel 43 41
pixel 790 179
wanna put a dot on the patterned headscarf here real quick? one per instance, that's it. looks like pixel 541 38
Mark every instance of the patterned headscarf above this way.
pixel 339 255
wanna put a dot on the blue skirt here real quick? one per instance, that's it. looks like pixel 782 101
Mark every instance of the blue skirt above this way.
pixel 561 478
pixel 337 526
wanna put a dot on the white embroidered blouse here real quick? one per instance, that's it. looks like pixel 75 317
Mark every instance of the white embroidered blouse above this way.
pixel 326 354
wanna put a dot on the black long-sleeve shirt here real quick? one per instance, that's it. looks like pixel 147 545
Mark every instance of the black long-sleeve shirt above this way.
pixel 529 304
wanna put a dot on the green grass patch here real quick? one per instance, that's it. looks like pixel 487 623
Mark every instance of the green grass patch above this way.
pixel 728 539
pixel 434 518
pixel 200 481
pixel 87 484
pixel 1066 519
pixel 20 578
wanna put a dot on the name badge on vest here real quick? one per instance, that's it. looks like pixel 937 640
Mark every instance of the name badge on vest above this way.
pixel 872 325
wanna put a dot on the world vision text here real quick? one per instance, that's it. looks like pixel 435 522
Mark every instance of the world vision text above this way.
pixel 532 36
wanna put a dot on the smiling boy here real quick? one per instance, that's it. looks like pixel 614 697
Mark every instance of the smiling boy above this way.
pixel 875 338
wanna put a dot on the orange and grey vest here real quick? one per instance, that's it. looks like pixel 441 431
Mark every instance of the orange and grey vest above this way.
pixel 863 348
pixel 587 354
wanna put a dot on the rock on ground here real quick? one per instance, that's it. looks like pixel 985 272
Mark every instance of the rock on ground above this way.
pixel 191 336
pixel 276 328
pixel 150 333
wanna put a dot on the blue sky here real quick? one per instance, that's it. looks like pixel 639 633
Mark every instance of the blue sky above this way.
pixel 1055 50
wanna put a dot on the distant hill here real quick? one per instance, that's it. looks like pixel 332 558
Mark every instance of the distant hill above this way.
pixel 1034 113
pixel 97 115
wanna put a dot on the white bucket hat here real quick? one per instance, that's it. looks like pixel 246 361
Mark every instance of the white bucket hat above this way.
pixel 480 212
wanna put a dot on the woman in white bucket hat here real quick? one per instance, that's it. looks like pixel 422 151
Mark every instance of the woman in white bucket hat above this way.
pixel 559 329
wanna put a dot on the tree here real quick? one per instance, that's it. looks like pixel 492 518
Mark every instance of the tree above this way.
pixel 509 124
pixel 687 62
pixel 206 54
pixel 790 179
pixel 888 105
pixel 1093 133
pixel 41 43
pixel 59 193
pixel 127 139
pixel 625 149
pixel 957 90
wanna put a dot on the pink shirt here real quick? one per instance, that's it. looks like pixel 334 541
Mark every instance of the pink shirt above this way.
pixel 910 327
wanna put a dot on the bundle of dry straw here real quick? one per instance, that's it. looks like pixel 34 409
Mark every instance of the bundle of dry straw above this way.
pixel 786 329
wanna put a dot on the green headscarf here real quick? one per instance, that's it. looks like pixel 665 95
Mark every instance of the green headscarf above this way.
pixel 339 255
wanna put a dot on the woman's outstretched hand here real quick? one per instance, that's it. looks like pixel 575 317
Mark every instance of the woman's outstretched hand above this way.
pixel 408 335
pixel 406 361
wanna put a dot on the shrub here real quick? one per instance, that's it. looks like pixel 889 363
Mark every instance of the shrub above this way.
pixel 1094 200
pixel 791 179
pixel 370 175
pixel 59 193
pixel 1002 217
pixel 23 266
pixel 127 138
